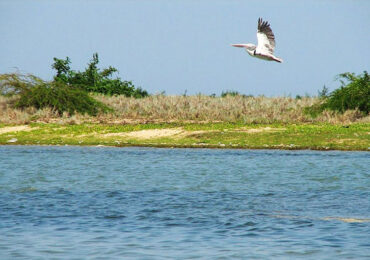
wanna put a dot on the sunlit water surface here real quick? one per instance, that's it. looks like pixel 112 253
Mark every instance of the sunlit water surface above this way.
pixel 146 203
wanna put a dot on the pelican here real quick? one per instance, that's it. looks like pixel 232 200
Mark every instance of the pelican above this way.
pixel 266 43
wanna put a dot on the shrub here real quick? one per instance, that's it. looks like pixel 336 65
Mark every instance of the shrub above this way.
pixel 13 83
pixel 230 93
pixel 354 95
pixel 324 92
pixel 34 92
pixel 233 93
pixel 94 80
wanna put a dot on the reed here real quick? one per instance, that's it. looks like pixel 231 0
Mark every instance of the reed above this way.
pixel 225 109
pixel 199 108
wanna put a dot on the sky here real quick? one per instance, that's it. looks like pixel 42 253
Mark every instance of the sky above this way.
pixel 183 46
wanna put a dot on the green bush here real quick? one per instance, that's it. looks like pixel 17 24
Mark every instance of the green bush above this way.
pixel 324 92
pixel 230 93
pixel 94 80
pixel 34 92
pixel 233 93
pixel 13 83
pixel 353 95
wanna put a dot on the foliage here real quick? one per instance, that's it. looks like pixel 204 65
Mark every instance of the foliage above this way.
pixel 95 80
pixel 233 93
pixel 314 110
pixel 354 95
pixel 230 93
pixel 13 83
pixel 324 92
pixel 34 92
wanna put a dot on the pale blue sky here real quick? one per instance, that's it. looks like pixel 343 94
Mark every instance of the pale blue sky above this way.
pixel 178 45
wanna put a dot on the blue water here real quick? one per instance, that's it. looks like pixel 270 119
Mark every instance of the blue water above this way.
pixel 147 203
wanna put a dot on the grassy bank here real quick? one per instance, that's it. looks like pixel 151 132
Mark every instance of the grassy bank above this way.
pixel 319 136
pixel 190 121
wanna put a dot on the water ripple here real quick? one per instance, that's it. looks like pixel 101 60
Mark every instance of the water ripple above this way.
pixel 145 203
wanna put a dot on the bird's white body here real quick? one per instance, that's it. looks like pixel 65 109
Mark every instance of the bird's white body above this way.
pixel 266 43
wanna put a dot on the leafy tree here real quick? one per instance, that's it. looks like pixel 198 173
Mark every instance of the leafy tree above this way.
pixel 95 80
pixel 62 67
pixel 354 93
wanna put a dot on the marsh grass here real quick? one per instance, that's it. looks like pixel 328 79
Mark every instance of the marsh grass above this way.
pixel 236 108
pixel 199 108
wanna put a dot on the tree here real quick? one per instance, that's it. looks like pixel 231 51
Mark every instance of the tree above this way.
pixel 354 93
pixel 95 80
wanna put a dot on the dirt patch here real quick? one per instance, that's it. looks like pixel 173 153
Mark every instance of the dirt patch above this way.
pixel 260 130
pixel 181 133
pixel 133 121
pixel 345 140
pixel 155 133
pixel 149 133
pixel 10 129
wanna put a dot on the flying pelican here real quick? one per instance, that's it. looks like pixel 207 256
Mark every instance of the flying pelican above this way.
pixel 266 43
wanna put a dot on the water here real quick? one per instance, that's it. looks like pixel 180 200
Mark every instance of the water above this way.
pixel 146 203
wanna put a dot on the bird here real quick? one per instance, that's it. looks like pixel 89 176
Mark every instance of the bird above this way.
pixel 266 43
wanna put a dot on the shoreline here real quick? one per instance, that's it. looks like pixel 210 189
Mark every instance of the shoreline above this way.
pixel 192 147
pixel 221 135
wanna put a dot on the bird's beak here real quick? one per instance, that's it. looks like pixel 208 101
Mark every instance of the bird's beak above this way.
pixel 238 45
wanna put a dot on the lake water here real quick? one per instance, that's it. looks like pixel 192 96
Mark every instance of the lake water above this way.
pixel 147 203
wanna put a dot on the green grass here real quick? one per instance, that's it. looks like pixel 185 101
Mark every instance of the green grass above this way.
pixel 212 135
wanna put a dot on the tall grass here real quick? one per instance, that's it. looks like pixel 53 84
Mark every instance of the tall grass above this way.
pixel 160 108
pixel 205 108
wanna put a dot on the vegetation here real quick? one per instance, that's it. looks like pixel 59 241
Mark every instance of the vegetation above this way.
pixel 230 93
pixel 95 80
pixel 229 121
pixel 353 94
pixel 324 92
pixel 234 109
pixel 69 91
pixel 31 91
pixel 200 108
pixel 209 135
pixel 233 93
pixel 28 99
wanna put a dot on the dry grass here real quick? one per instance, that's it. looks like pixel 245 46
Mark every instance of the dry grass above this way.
pixel 159 108
pixel 227 109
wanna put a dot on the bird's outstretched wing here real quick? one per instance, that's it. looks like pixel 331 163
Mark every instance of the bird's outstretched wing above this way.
pixel 265 37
